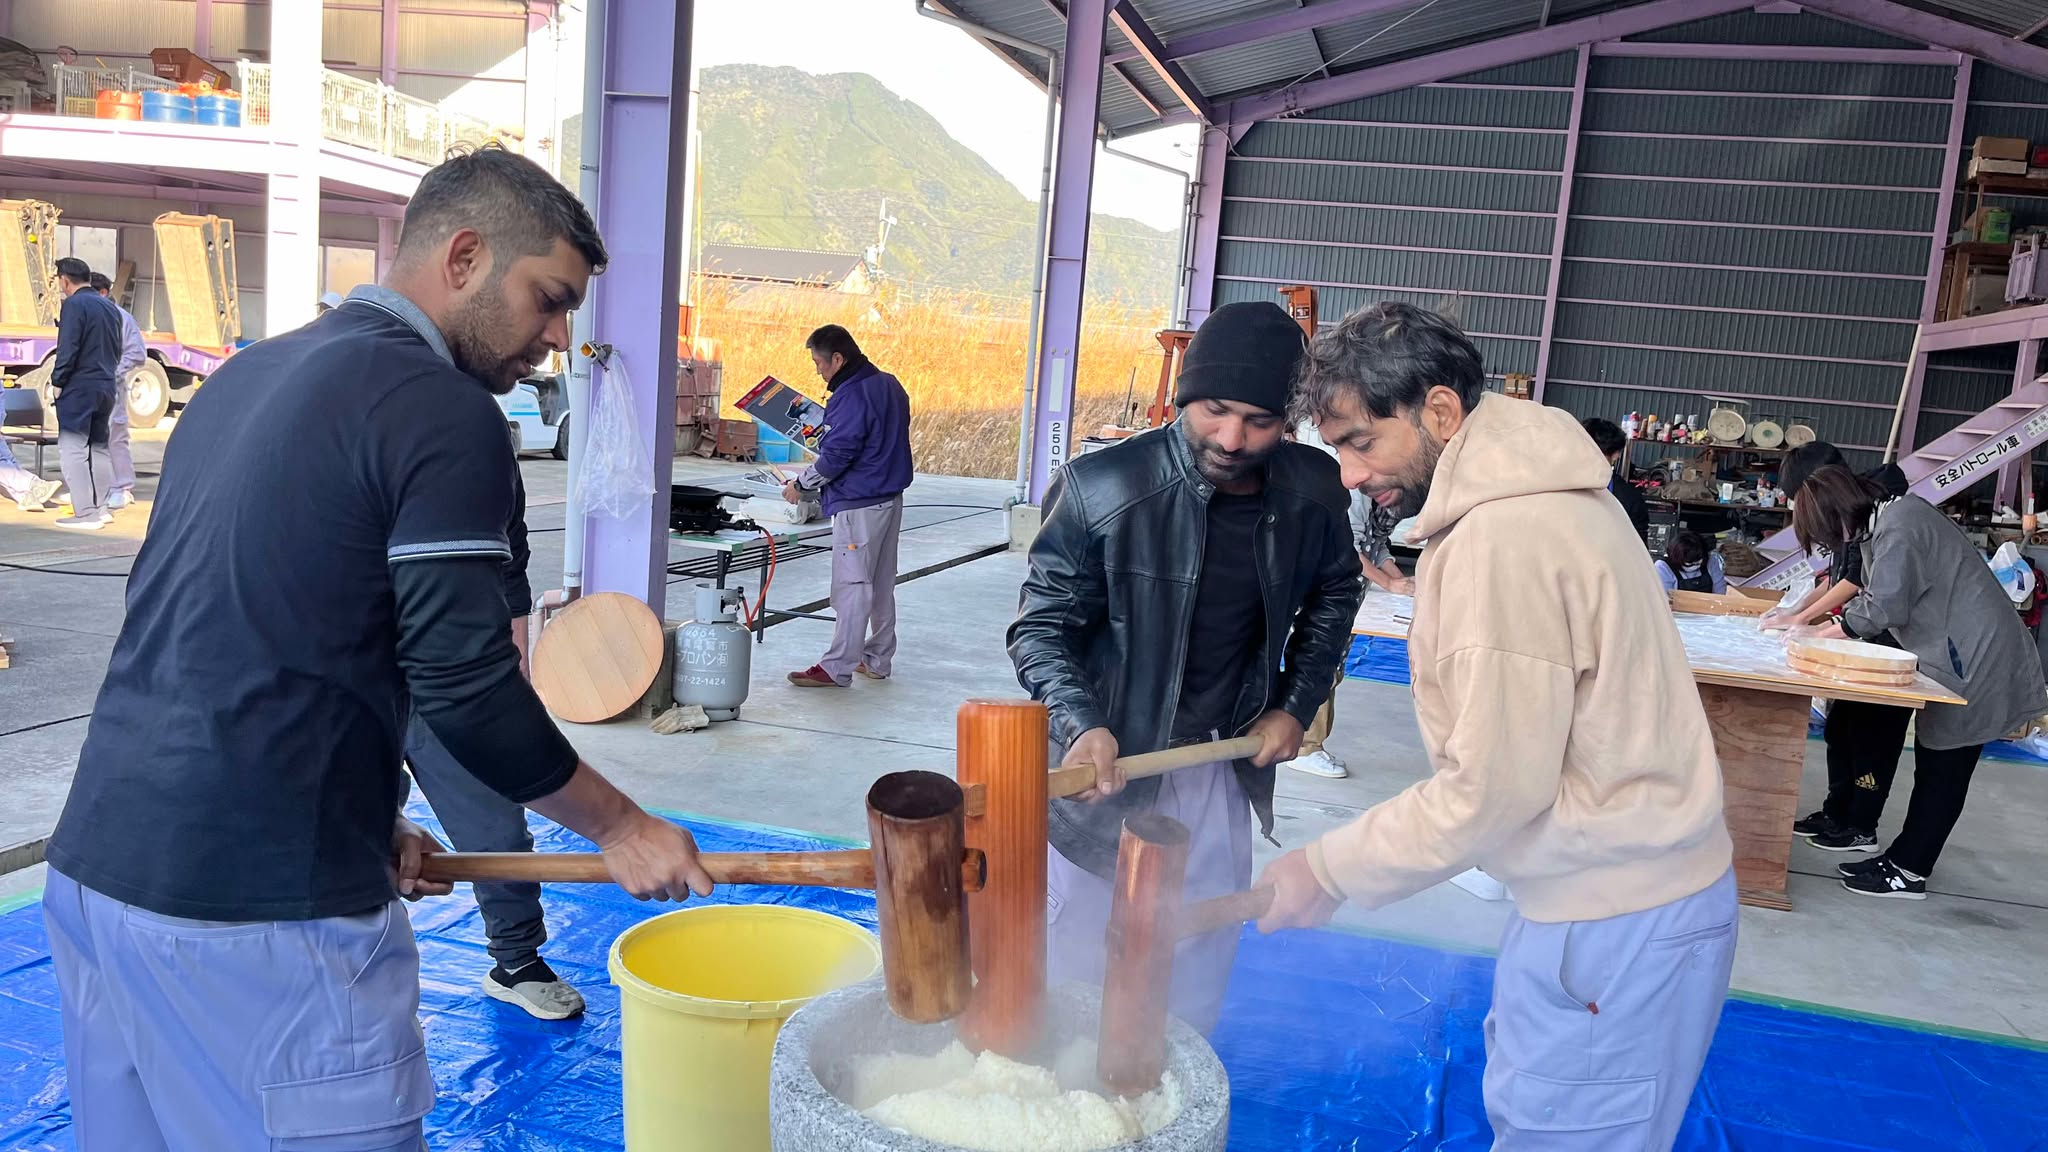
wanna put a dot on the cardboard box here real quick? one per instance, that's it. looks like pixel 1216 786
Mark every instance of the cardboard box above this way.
pixel 184 66
pixel 1997 168
pixel 1999 148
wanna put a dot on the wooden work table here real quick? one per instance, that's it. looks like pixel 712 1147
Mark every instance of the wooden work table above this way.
pixel 1757 708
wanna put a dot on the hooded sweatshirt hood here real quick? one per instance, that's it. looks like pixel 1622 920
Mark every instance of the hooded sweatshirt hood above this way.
pixel 1509 448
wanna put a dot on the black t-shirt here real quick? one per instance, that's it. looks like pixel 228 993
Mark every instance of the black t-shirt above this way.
pixel 242 761
pixel 1230 618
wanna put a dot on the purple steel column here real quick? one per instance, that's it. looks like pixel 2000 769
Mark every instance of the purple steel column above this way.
pixel 387 244
pixel 202 28
pixel 387 57
pixel 2024 369
pixel 1944 211
pixel 1066 249
pixel 639 208
pixel 1212 153
pixel 1564 212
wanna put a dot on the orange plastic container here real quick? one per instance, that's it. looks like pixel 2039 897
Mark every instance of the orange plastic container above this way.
pixel 114 104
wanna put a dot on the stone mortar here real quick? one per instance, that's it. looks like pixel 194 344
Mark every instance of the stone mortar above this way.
pixel 818 1047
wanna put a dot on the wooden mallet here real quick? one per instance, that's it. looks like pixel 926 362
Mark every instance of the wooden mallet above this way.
pixel 1146 922
pixel 1003 773
pixel 919 868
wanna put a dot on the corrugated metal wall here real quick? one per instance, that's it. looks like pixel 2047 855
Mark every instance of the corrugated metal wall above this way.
pixel 1442 196
pixel 1744 229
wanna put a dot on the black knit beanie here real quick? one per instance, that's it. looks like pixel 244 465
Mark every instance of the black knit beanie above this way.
pixel 1246 351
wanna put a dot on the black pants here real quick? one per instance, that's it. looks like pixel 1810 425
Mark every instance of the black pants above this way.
pixel 479 820
pixel 1941 781
pixel 1864 742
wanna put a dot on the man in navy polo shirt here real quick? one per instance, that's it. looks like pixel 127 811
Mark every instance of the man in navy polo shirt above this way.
pixel 328 545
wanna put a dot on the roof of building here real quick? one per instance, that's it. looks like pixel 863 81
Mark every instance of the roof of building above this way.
pixel 1225 61
pixel 778 265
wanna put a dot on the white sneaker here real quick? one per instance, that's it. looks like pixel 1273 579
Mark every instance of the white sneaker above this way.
pixel 80 523
pixel 120 500
pixel 37 495
pixel 1320 763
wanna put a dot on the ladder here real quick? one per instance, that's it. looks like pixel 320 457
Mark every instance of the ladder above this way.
pixel 1938 470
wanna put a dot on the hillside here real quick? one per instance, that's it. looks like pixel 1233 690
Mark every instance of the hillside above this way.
pixel 794 160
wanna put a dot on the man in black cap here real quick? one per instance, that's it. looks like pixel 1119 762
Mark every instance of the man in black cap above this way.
pixel 1192 583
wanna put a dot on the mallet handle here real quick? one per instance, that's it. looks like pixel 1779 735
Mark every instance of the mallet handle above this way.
pixel 1223 912
pixel 843 868
pixel 1081 777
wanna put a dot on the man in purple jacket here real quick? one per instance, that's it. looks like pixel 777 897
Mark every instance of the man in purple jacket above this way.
pixel 863 465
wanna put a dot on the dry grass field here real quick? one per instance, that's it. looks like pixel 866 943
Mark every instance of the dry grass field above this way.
pixel 961 359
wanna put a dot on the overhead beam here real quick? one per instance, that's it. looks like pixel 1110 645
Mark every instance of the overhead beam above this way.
pixel 185 195
pixel 1302 19
pixel 1133 26
pixel 1478 57
pixel 2033 29
pixel 1799 52
pixel 1926 28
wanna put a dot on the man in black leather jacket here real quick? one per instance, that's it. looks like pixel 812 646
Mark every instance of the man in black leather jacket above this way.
pixel 1172 576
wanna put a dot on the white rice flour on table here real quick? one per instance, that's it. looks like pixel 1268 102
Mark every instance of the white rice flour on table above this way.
pixel 993 1104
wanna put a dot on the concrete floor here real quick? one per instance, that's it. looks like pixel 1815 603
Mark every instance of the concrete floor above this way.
pixel 1966 958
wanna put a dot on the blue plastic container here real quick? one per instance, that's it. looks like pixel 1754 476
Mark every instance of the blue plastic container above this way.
pixel 168 107
pixel 772 447
pixel 219 111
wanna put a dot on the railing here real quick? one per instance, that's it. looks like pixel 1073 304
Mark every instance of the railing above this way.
pixel 369 115
pixel 361 113
pixel 78 86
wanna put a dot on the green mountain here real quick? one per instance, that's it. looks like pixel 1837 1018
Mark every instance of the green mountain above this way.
pixel 793 160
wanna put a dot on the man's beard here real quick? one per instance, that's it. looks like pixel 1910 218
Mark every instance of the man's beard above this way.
pixel 1219 467
pixel 470 341
pixel 1413 483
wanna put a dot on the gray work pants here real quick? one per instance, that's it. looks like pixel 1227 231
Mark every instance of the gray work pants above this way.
pixel 477 819
pixel 1599 1027
pixel 118 454
pixel 864 590
pixel 88 472
pixel 264 1036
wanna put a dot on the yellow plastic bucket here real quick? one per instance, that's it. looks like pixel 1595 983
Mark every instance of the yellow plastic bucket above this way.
pixel 703 992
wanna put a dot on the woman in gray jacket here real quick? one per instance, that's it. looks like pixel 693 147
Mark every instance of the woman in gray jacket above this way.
pixel 1928 586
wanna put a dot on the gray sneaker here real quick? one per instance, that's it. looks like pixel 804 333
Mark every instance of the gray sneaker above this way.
pixel 80 523
pixel 536 989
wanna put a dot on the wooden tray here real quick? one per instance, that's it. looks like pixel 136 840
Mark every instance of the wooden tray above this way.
pixel 1728 604
pixel 1853 654
pixel 1851 675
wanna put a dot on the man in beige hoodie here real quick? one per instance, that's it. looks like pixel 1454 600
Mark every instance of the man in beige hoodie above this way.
pixel 1571 756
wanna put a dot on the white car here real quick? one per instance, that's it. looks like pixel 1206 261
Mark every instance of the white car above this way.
pixel 527 421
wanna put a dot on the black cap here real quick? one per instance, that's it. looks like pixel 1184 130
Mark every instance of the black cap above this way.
pixel 1246 351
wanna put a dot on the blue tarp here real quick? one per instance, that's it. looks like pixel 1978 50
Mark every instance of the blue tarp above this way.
pixel 1333 1041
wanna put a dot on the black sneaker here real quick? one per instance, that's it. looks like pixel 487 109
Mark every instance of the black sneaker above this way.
pixel 1888 881
pixel 1860 867
pixel 1841 839
pixel 1814 825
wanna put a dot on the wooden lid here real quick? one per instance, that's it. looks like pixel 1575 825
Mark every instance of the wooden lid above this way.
pixel 597 657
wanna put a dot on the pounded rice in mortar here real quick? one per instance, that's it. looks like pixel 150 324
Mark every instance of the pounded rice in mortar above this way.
pixel 993 1104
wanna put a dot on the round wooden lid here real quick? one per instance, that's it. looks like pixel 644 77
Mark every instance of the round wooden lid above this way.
pixel 597 657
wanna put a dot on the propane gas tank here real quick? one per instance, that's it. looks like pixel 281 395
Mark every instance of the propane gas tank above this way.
pixel 712 659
